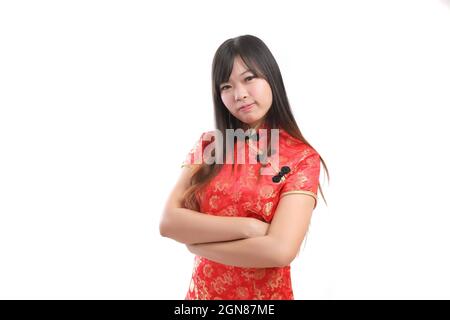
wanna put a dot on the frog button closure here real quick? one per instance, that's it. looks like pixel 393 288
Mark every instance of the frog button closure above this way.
pixel 280 176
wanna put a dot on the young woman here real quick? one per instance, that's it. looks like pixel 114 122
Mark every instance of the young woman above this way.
pixel 245 220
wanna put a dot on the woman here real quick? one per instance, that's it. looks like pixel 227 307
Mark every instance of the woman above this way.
pixel 245 220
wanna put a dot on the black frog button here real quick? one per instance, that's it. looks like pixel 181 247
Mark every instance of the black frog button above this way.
pixel 280 175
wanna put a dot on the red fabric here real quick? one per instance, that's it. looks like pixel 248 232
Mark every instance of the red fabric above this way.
pixel 241 193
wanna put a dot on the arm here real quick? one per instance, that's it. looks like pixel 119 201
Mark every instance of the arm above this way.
pixel 190 227
pixel 258 252
pixel 278 248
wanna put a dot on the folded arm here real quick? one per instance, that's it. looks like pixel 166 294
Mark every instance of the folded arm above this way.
pixel 258 252
pixel 278 248
pixel 190 227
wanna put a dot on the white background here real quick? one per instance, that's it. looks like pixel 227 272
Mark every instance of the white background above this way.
pixel 100 101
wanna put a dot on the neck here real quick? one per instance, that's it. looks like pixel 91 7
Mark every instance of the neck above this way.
pixel 256 126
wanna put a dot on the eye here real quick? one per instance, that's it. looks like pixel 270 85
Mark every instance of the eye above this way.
pixel 248 78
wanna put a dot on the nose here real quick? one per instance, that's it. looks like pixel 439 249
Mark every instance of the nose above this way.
pixel 240 93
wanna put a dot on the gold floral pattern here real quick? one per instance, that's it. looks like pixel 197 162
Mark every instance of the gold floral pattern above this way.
pixel 268 208
pixel 266 191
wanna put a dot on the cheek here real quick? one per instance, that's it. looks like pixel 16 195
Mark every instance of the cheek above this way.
pixel 266 92
pixel 227 100
pixel 263 91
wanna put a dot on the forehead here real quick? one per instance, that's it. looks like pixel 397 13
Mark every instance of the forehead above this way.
pixel 238 66
pixel 239 69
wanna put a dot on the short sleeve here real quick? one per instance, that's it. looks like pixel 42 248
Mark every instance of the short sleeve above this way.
pixel 304 179
pixel 195 155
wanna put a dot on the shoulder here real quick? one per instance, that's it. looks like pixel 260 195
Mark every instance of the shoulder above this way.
pixel 296 151
pixel 204 138
pixel 195 154
pixel 208 134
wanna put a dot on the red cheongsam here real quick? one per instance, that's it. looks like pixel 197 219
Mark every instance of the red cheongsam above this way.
pixel 239 193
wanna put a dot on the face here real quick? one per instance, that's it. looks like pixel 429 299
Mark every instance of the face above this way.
pixel 243 88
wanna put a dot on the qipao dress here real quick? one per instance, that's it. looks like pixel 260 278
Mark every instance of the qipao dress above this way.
pixel 241 193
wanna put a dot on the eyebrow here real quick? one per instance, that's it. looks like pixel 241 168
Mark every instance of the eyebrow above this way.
pixel 245 72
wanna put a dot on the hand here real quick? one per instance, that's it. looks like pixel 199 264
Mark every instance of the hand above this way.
pixel 258 228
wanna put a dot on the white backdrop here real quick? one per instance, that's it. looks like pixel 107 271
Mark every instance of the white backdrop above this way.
pixel 100 101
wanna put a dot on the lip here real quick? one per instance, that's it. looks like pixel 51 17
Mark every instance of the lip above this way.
pixel 246 107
